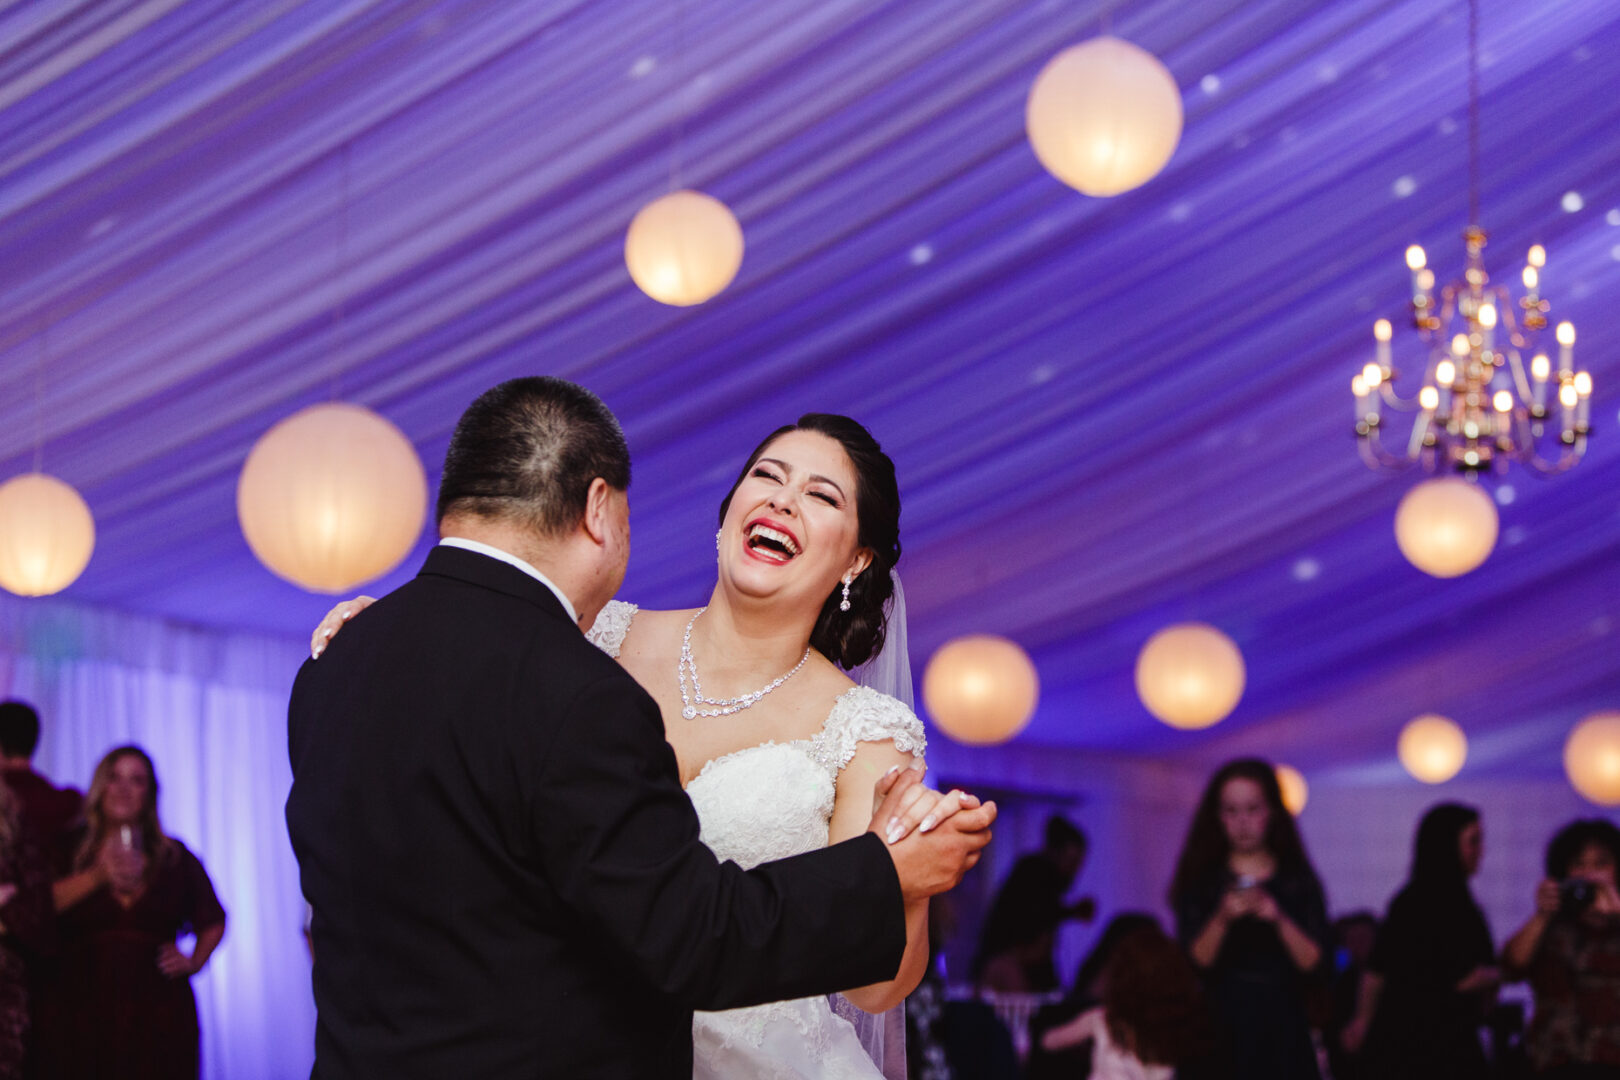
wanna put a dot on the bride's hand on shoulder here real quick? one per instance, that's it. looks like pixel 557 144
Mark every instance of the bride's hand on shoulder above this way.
pixel 919 808
pixel 334 621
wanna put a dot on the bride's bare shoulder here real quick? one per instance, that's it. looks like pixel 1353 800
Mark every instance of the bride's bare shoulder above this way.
pixel 653 632
pixel 831 681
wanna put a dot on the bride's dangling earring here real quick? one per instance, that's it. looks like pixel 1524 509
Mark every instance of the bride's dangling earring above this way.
pixel 717 533
pixel 843 605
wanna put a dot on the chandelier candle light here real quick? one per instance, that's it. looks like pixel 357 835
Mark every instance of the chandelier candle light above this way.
pixel 1480 406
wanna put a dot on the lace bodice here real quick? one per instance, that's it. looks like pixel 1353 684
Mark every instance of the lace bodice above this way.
pixel 768 802
pixel 612 623
pixel 774 800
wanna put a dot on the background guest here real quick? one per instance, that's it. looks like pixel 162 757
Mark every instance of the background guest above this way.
pixel 1090 984
pixel 1152 1022
pixel 1433 970
pixel 1020 934
pixel 1570 951
pixel 927 1057
pixel 120 1002
pixel 1355 935
pixel 1251 911
pixel 48 809
pixel 27 925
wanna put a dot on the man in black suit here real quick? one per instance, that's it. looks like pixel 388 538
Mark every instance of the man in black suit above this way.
pixel 506 876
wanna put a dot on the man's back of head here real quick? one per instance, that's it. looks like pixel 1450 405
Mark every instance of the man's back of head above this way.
pixel 527 451
pixel 19 731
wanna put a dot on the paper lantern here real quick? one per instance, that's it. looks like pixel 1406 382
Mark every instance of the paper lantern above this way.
pixel 1446 526
pixel 683 248
pixel 1104 116
pixel 1190 675
pixel 1592 758
pixel 1295 791
pixel 981 690
pixel 46 535
pixel 331 497
pixel 1433 748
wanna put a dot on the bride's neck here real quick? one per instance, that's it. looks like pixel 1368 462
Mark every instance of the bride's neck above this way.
pixel 740 637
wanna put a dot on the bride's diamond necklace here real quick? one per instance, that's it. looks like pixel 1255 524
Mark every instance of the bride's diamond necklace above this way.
pixel 720 706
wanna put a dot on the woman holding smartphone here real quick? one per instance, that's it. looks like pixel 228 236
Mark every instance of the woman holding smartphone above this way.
pixel 119 1002
pixel 1251 912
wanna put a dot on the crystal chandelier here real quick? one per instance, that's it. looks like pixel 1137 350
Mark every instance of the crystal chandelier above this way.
pixel 1479 406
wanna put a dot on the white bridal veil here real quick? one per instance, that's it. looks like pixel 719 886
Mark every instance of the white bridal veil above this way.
pixel 884 1036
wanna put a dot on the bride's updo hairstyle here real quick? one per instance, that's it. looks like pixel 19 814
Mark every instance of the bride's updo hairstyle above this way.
pixel 850 638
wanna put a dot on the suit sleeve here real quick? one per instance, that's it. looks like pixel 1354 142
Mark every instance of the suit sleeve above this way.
pixel 618 838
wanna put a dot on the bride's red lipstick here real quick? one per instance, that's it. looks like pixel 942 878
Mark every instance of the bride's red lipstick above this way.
pixel 768 555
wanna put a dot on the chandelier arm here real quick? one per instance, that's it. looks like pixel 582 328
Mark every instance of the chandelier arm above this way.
pixel 1544 467
pixel 1521 382
pixel 1510 321
pixel 1394 400
pixel 1567 459
pixel 1527 441
pixel 1377 458
pixel 1420 429
pixel 1448 305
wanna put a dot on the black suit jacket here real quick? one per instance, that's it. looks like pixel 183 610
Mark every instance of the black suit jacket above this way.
pixel 506 875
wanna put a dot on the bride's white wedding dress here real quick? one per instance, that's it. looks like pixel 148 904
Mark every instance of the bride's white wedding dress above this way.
pixel 767 802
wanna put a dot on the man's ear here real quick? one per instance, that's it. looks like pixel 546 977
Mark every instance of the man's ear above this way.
pixel 598 505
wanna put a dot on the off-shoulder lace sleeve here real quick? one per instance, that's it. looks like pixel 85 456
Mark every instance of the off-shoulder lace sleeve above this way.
pixel 866 715
pixel 612 623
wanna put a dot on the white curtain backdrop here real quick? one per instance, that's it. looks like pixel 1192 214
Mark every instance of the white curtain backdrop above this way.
pixel 211 709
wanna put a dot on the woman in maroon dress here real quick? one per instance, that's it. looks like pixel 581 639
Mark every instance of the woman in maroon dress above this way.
pixel 120 1001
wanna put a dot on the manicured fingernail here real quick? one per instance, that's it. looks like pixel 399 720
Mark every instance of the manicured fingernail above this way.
pixel 892 770
pixel 895 831
pixel 928 824
pixel 315 654
pixel 327 633
pixel 346 615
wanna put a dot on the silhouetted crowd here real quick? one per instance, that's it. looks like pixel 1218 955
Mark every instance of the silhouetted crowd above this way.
pixel 104 918
pixel 1254 982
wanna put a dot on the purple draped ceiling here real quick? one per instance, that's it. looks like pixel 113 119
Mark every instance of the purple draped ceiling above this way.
pixel 1107 414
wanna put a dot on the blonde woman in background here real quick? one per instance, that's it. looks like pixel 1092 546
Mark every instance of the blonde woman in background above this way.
pixel 119 1002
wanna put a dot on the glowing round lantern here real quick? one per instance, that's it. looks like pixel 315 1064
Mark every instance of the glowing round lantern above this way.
pixel 1104 116
pixel 331 497
pixel 1432 748
pixel 1190 675
pixel 46 535
pixel 1592 758
pixel 683 248
pixel 981 690
pixel 1295 791
pixel 1446 526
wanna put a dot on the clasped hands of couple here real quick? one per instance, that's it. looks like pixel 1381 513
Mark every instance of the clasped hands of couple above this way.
pixel 908 810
